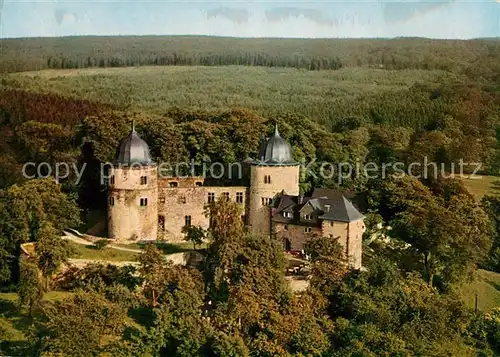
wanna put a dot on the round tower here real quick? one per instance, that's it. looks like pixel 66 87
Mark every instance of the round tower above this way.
pixel 274 172
pixel 132 192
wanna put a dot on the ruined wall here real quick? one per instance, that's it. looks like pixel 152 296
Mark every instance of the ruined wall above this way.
pixel 189 199
pixel 127 219
pixel 281 178
pixel 295 234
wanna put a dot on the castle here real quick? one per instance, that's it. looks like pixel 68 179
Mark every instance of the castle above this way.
pixel 144 206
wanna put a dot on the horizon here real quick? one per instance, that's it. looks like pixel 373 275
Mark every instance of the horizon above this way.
pixel 448 19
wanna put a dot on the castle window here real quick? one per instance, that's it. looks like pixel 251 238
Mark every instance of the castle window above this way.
pixel 327 208
pixel 162 199
pixel 307 217
pixel 331 224
pixel 285 227
pixel 183 199
pixel 112 180
pixel 287 214
pixel 225 195
pixel 173 184
pixel 111 201
pixel 187 220
pixel 211 197
pixel 239 197
pixel 144 202
pixel 161 222
pixel 330 235
pixel 198 183
pixel 267 179
pixel 307 229
pixel 144 180
pixel 266 201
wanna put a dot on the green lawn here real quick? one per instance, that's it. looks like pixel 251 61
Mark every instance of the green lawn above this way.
pixel 167 248
pixel 90 252
pixel 14 323
pixel 482 185
pixel 487 287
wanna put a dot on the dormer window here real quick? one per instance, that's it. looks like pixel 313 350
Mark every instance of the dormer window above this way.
pixel 173 184
pixel 327 208
pixel 287 214
pixel 307 217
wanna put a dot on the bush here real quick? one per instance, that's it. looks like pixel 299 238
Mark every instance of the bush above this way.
pixel 101 244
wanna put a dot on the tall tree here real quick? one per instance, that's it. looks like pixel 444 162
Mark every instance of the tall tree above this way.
pixel 30 289
pixel 51 251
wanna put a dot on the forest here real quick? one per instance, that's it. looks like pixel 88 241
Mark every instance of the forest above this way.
pixel 356 101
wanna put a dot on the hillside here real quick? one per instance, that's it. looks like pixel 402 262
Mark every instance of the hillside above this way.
pixel 323 96
pixel 400 53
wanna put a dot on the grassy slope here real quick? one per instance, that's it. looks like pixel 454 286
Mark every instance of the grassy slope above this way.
pixel 14 323
pixel 482 185
pixel 270 91
pixel 108 254
pixel 487 287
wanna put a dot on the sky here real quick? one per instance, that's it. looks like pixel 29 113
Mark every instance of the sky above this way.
pixel 454 19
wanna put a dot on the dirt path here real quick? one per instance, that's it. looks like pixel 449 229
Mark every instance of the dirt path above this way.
pixel 72 237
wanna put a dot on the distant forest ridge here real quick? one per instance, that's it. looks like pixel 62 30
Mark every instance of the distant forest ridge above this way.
pixel 31 54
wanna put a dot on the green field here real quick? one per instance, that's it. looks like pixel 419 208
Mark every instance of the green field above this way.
pixel 482 185
pixel 486 285
pixel 107 254
pixel 269 91
pixel 14 323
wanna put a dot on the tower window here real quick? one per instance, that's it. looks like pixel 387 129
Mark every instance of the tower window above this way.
pixel 112 180
pixel 211 197
pixel 173 184
pixel 111 201
pixel 225 195
pixel 187 220
pixel 267 179
pixel 198 183
pixel 144 180
pixel 266 201
pixel 161 222
pixel 162 199
pixel 307 229
pixel 182 199
pixel 239 197
pixel 144 202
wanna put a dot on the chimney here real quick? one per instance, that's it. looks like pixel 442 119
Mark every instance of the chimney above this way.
pixel 300 199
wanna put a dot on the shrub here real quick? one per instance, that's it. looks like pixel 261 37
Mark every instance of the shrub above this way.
pixel 101 244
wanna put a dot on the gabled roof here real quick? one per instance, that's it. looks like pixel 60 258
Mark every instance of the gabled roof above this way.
pixel 338 208
pixel 358 200
pixel 341 210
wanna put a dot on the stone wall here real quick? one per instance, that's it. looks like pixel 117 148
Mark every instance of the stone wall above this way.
pixel 188 199
pixel 355 244
pixel 294 234
pixel 127 220
pixel 282 178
